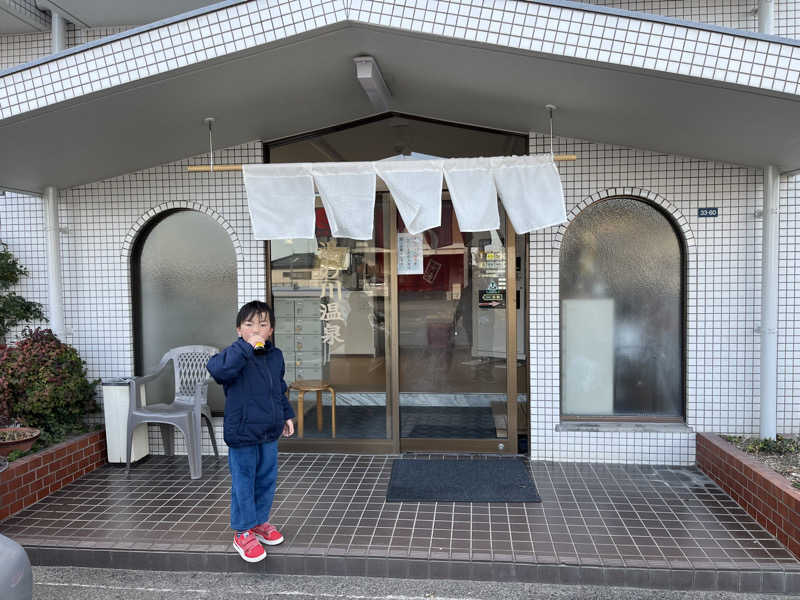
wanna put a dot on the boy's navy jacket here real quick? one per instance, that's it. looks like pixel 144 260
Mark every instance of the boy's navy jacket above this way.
pixel 256 406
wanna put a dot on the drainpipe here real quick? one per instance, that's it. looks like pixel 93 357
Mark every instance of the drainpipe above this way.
pixel 58 32
pixel 769 304
pixel 54 287
pixel 766 18
pixel 769 273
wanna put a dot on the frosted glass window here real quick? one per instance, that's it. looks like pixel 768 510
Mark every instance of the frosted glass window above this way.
pixel 621 286
pixel 184 286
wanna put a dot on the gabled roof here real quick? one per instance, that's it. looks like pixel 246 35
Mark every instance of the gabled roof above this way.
pixel 267 71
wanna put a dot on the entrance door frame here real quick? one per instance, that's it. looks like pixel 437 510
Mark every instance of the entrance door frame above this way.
pixel 396 444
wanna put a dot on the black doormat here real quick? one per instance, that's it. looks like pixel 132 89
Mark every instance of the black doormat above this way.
pixel 479 480
pixel 435 430
pixel 447 422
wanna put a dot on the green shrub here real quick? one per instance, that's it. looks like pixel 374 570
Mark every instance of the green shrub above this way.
pixel 14 309
pixel 44 384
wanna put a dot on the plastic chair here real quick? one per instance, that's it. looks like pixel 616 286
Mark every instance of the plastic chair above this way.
pixel 185 412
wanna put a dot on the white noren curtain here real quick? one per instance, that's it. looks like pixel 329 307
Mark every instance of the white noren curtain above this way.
pixel 347 191
pixel 530 188
pixel 472 191
pixel 416 186
pixel 281 196
pixel 281 200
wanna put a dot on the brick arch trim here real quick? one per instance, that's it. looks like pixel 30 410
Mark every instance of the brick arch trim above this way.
pixel 133 233
pixel 675 215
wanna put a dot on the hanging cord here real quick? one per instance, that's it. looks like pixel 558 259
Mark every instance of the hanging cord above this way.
pixel 210 122
pixel 551 108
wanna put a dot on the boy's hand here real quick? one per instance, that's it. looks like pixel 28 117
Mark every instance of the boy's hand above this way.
pixel 288 428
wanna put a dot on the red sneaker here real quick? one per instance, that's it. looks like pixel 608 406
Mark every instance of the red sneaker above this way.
pixel 248 547
pixel 267 534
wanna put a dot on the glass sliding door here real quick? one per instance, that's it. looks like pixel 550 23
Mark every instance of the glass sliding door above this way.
pixel 331 299
pixel 453 338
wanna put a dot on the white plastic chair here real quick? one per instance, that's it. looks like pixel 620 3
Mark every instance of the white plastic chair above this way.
pixel 185 412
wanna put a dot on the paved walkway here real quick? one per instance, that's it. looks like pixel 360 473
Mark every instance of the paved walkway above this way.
pixel 641 526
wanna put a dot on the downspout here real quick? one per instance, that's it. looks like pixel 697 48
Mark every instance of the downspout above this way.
pixel 766 17
pixel 769 304
pixel 58 27
pixel 769 274
pixel 54 286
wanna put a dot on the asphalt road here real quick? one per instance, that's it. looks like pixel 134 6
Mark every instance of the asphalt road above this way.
pixel 69 583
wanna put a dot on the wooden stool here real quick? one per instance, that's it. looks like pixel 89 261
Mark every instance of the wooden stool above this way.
pixel 314 385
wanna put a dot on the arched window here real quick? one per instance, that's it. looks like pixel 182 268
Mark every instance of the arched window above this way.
pixel 183 270
pixel 622 313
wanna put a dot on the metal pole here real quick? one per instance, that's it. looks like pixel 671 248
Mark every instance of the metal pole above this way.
pixel 54 286
pixel 769 304
pixel 766 16
pixel 769 274
pixel 58 31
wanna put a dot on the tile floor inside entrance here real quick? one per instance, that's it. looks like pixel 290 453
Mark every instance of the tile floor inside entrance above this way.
pixel 607 522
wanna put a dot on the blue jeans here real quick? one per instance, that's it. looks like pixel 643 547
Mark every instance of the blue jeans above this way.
pixel 254 473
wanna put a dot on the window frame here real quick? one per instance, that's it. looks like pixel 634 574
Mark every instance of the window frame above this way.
pixel 683 249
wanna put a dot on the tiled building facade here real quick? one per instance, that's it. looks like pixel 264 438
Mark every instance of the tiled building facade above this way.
pixel 100 220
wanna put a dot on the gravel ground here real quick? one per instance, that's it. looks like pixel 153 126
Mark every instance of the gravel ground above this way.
pixel 787 464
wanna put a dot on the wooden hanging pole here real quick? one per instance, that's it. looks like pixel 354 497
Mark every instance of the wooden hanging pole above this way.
pixel 207 168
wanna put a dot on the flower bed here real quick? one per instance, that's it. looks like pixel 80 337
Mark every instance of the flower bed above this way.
pixel 31 478
pixel 766 495
pixel 782 454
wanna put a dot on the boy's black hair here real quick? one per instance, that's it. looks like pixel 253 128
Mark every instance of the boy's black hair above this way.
pixel 256 307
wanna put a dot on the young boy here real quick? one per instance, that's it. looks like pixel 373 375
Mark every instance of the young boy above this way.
pixel 257 413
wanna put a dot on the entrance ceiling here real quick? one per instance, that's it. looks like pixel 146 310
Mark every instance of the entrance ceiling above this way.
pixel 308 83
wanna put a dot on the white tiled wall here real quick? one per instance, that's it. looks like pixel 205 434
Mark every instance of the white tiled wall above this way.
pixel 102 219
pixel 26 47
pixel 788 403
pixel 30 12
pixel 22 228
pixel 723 299
pixel 724 254
pixel 737 14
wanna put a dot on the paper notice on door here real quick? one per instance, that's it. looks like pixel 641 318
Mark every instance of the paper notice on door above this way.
pixel 409 254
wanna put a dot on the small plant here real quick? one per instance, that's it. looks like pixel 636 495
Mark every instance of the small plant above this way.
pixel 780 445
pixel 14 309
pixel 45 385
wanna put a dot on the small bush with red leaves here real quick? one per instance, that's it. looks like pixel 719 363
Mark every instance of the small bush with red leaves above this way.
pixel 43 383
pixel 5 390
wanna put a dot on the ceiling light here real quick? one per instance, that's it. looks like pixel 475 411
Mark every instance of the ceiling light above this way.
pixel 370 78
